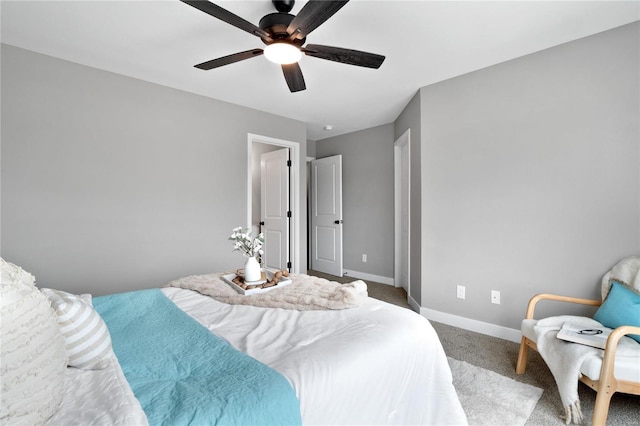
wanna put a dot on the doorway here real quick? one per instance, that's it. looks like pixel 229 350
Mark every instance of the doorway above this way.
pixel 402 214
pixel 294 191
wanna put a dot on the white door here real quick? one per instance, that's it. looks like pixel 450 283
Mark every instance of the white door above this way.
pixel 402 158
pixel 326 215
pixel 274 208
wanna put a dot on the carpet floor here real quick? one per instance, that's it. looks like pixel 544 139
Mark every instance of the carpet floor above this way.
pixel 500 356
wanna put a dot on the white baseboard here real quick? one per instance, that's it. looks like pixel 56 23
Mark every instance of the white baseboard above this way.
pixel 472 325
pixel 413 304
pixel 370 277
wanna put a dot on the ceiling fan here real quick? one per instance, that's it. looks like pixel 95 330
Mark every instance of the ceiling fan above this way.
pixel 284 35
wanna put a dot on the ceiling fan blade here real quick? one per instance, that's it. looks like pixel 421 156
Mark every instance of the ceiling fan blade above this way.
pixel 312 15
pixel 345 56
pixel 294 77
pixel 229 59
pixel 228 17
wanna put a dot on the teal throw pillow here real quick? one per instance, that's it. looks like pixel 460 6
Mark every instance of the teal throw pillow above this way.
pixel 621 307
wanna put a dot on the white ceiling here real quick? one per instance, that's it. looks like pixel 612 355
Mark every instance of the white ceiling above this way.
pixel 424 42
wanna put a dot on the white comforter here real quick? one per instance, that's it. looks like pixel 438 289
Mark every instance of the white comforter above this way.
pixel 375 364
pixel 98 397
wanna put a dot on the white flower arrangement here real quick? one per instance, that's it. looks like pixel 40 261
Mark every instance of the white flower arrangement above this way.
pixel 245 243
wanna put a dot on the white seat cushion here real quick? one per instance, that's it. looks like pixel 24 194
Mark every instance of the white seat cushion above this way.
pixel 626 368
pixel 527 328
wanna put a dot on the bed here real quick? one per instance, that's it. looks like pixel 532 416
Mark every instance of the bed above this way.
pixel 374 363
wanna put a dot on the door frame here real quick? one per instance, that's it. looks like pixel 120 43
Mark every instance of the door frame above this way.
pixel 403 142
pixel 294 190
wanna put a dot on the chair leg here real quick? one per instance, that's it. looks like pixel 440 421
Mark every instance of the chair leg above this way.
pixel 523 356
pixel 601 408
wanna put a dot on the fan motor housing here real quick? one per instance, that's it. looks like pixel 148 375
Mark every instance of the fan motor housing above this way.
pixel 283 5
pixel 276 25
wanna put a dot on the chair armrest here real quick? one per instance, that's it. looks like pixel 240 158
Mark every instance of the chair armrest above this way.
pixel 614 338
pixel 609 358
pixel 544 296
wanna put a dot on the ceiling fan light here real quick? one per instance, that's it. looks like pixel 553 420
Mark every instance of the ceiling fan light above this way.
pixel 282 53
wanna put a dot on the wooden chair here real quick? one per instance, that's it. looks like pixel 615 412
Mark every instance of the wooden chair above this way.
pixel 603 379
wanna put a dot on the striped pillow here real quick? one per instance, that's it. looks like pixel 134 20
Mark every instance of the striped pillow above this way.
pixel 86 335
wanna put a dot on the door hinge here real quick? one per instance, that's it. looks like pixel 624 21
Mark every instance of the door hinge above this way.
pixel 289 213
pixel 288 265
pixel 288 163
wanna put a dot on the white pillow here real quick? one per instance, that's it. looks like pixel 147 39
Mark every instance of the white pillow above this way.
pixel 34 360
pixel 86 335
pixel 15 274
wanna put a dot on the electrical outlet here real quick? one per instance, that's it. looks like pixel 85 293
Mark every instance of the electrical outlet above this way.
pixel 460 292
pixel 364 258
pixel 495 297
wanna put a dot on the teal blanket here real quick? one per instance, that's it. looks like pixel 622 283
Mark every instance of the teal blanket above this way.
pixel 183 374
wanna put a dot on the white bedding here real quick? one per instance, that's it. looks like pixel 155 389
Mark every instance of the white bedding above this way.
pixel 98 397
pixel 375 364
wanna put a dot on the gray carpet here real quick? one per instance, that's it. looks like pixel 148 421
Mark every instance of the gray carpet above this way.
pixel 500 356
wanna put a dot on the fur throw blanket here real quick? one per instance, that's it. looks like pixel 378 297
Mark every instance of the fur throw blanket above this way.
pixel 303 294
pixel 626 271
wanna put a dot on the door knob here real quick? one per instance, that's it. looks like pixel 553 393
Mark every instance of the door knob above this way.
pixel 337 222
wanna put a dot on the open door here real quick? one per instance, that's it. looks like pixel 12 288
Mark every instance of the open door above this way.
pixel 326 215
pixel 275 208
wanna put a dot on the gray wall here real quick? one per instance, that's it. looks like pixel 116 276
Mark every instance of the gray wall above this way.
pixel 411 118
pixel 311 148
pixel 111 183
pixel 530 176
pixel 525 177
pixel 367 197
